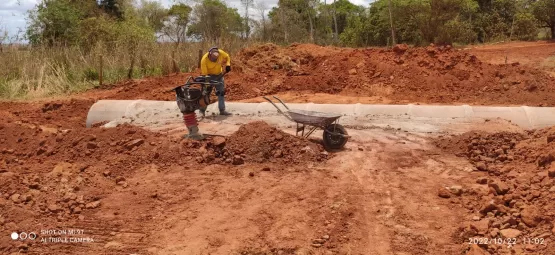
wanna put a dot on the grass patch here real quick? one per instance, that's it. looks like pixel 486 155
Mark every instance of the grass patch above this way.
pixel 549 63
pixel 27 72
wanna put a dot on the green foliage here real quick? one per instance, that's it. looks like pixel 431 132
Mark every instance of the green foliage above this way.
pixel 91 74
pixel 543 10
pixel 213 20
pixel 442 21
pixel 176 22
pixel 457 31
pixel 153 13
pixel 113 8
pixel 344 10
pixel 54 22
pixel 70 23
pixel 525 27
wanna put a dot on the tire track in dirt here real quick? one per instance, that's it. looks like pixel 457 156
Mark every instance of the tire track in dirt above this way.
pixel 402 211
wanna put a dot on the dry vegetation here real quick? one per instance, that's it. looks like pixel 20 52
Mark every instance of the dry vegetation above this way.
pixel 36 72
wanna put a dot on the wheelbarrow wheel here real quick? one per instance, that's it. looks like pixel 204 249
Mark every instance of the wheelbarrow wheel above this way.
pixel 333 139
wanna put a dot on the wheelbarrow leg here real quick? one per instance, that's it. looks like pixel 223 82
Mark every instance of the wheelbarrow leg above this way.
pixel 312 129
pixel 300 128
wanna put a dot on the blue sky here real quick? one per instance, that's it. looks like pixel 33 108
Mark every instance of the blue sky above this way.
pixel 14 12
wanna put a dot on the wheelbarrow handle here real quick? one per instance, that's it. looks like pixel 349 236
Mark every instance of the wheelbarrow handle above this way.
pixel 267 99
pixel 281 102
pixel 279 110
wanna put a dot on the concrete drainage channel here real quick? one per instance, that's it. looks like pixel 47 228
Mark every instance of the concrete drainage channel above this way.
pixel 165 116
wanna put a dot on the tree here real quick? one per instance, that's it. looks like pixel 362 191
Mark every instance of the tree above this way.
pixel 525 26
pixel 175 26
pixel 295 19
pixel 113 8
pixel 544 10
pixel 153 13
pixel 54 22
pixel 262 7
pixel 213 20
pixel 344 10
pixel 248 4
pixel 3 36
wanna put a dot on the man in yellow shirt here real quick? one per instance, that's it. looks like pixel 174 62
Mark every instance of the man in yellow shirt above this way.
pixel 211 65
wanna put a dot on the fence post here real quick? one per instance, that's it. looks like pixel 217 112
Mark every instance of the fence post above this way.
pixel 175 66
pixel 100 73
pixel 199 57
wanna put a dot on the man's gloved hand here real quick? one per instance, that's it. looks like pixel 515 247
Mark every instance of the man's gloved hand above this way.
pixel 228 69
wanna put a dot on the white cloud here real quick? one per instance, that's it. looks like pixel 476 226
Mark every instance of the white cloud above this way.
pixel 13 14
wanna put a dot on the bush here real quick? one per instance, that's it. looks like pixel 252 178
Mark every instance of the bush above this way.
pixel 456 31
pixel 91 74
pixel 525 27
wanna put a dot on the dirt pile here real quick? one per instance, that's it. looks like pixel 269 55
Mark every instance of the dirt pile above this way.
pixel 70 113
pixel 50 170
pixel 270 57
pixel 55 174
pixel 431 74
pixel 400 75
pixel 258 142
pixel 512 196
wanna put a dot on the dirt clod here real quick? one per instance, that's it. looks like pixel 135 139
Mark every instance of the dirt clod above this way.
pixel 551 171
pixel 510 233
pixel 54 208
pixel 134 143
pixel 456 190
pixel 481 166
pixel 92 205
pixel 482 180
pixel 476 250
pixel 443 193
pixel 531 216
pixel 500 187
pixel 219 141
pixel 91 145
pixel 238 160
pixel 15 198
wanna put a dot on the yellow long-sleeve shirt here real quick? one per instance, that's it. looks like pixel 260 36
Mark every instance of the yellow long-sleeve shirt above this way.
pixel 208 67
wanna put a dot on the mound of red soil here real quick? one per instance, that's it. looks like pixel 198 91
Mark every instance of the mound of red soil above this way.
pixel 432 74
pixel 514 194
pixel 399 75
pixel 259 142
pixel 64 172
pixel 60 113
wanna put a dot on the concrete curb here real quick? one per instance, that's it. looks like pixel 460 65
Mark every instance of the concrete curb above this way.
pixel 523 116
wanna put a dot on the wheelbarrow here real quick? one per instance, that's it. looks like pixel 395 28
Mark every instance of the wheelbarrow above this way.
pixel 335 136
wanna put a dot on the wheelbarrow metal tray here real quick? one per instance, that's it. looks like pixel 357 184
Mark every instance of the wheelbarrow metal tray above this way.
pixel 319 119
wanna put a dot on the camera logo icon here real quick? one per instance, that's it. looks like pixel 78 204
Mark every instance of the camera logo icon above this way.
pixel 23 236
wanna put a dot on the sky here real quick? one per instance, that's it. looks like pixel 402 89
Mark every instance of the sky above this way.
pixel 14 12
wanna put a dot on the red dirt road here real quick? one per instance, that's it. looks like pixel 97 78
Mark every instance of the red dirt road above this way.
pixel 533 54
pixel 261 191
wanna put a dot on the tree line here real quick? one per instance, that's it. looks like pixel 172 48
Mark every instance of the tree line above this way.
pixel 86 23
